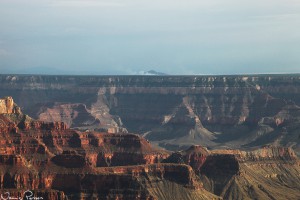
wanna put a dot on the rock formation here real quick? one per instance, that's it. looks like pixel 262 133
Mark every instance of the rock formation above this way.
pixel 47 160
pixel 173 112
pixel 7 106
pixel 266 173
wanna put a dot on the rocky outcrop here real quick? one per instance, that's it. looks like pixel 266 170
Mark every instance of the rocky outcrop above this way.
pixel 267 173
pixel 7 106
pixel 195 156
pixel 73 115
pixel 136 182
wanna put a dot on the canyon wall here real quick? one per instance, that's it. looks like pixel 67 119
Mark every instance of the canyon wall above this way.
pixel 245 111
pixel 50 161
pixel 46 160
pixel 270 172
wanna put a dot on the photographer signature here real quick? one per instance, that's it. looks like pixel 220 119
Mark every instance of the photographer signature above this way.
pixel 28 195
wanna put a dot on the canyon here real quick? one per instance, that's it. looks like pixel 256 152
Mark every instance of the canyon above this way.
pixel 50 161
pixel 158 137
pixel 173 112
pixel 55 162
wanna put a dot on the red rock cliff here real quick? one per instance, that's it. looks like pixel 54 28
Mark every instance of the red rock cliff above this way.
pixel 58 163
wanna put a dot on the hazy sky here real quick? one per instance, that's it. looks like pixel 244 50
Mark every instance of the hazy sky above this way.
pixel 171 36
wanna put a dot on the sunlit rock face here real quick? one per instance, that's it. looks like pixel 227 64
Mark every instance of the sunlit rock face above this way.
pixel 55 162
pixel 50 161
pixel 174 112
pixel 7 106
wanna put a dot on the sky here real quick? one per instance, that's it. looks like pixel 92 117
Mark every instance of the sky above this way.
pixel 123 37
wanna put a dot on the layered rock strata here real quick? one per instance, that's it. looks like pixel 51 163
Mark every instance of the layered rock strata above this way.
pixel 47 160
pixel 245 111
pixel 266 173
pixel 51 161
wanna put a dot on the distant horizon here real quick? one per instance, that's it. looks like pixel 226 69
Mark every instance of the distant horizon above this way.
pixel 57 71
pixel 236 74
pixel 127 36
